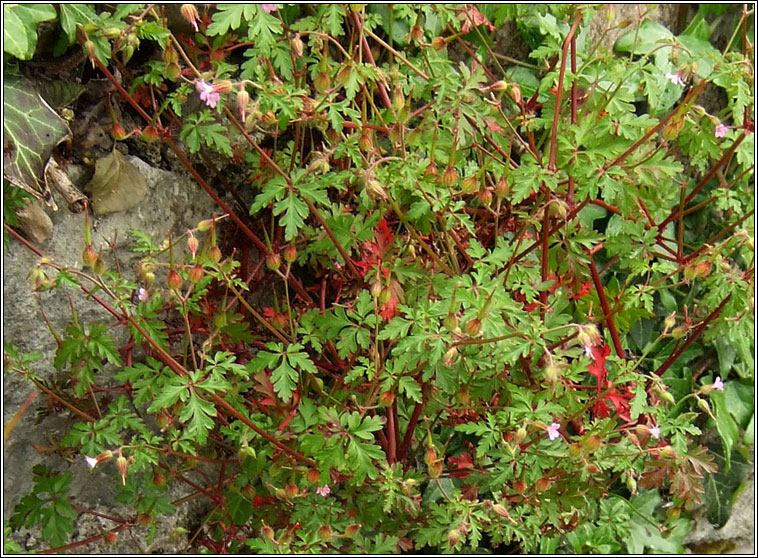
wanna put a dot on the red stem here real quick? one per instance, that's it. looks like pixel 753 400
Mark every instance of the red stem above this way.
pixel 391 439
pixel 559 92
pixel 606 307
pixel 691 339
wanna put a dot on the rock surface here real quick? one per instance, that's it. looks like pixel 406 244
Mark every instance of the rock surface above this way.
pixel 171 203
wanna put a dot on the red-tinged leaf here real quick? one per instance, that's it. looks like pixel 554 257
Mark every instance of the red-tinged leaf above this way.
pixel 597 366
pixel 471 18
pixel 383 236
pixel 493 126
pixel 462 465
pixel 583 291
pixel 268 312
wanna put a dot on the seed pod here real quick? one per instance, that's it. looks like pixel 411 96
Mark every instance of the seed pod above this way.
pixel 438 43
pixel 173 71
pixel 453 537
pixel 502 188
pixel 313 476
pixel 542 484
pixel 292 490
pixel 325 532
pixel 387 398
pixel 266 531
pixel 159 479
pixel 150 133
pixel 385 295
pixel 417 33
pixel 519 486
pixel 296 45
pixel 552 373
pixel 485 196
pixel 376 289
pixel 515 93
pixel 364 142
pixel 450 357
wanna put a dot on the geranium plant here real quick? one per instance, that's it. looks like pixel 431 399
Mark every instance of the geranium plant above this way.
pixel 468 305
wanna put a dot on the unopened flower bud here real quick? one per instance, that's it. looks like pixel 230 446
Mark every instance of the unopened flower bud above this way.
pixel 364 142
pixel 376 289
pixel 159 479
pixel 449 177
pixel 398 100
pixel 552 373
pixel 296 45
pixel 450 322
pixel 121 465
pixel 438 43
pixel 214 254
pixel 473 327
pixel 631 484
pixel 469 185
pixel 515 93
pixel 386 398
pixel 450 357
pixel 313 476
pixel 417 33
pixel 519 486
pixel 117 132
pixel 290 253
pixel 99 266
pixel 542 484
pixel 385 295
pixel 192 245
pixel 670 321
pixel 266 531
pixel 273 261
pixel 325 532
pixel 485 196
pixel 499 86
pixel 352 530
pixel 453 537
pixel 196 273
pixel 174 280
pixel 292 491
pixel 502 188
pixel 150 133
pixel 89 256
pixel 322 82
pixel 431 169
pixel 521 434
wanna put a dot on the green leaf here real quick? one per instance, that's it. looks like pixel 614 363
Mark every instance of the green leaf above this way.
pixel 294 212
pixel 198 412
pixel 230 16
pixel 725 424
pixel 175 388
pixel 20 27
pixel 32 130
pixel 273 189
pixel 240 509
pixel 263 30
pixel 284 378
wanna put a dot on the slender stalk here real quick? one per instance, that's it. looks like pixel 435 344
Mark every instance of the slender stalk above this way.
pixel 606 308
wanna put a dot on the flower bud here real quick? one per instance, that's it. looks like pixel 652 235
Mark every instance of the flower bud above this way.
pixel 672 128
pixel 243 98
pixel 89 256
pixel 266 531
pixel 121 465
pixel 521 434
pixel 430 456
pixel 485 196
pixel 542 484
pixel 552 373
pixel 313 476
pixel 499 86
pixel 386 398
pixel 364 142
pixel 173 71
pixel 515 93
pixel 150 133
pixel 273 261
pixel 398 100
pixel 575 450
pixel 473 327
pixel 450 322
pixel 117 132
pixel 450 357
pixel 417 33
pixel 322 82
pixel 352 530
pixel 435 470
pixel 453 537
pixel 99 266
pixel 296 46
pixel 196 273
pixel 438 43
pixel 431 169
pixel 174 280
pixel 670 321
pixel 592 442
pixel 205 225
pixel 703 404
pixel 222 86
pixel 519 486
pixel 449 177
pixel 469 185
pixel 385 295
pixel 376 289
pixel 631 484
pixel 159 479
pixel 214 254
pixel 502 188
pixel 192 245
pixel 292 491
pixel 325 532
pixel 290 253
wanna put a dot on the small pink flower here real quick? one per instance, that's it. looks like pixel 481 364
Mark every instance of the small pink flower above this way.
pixel 655 432
pixel 268 8
pixel 142 294
pixel 718 384
pixel 720 131
pixel 676 79
pixel 553 431
pixel 207 94
pixel 323 490
pixel 91 461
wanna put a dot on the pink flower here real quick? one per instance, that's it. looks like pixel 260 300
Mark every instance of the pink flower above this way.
pixel 655 432
pixel 718 384
pixel 553 431
pixel 323 490
pixel 91 461
pixel 720 131
pixel 142 294
pixel 676 79
pixel 207 93
pixel 268 8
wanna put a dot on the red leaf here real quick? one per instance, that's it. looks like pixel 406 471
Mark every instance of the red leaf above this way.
pixel 597 366
pixel 461 464
pixel 586 287
pixel 493 126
